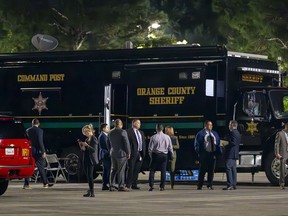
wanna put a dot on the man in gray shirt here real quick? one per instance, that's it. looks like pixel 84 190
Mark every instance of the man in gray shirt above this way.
pixel 159 146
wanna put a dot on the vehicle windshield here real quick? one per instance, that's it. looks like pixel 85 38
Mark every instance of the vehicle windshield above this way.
pixel 11 130
pixel 279 103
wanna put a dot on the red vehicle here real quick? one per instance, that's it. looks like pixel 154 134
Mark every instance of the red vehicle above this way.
pixel 16 159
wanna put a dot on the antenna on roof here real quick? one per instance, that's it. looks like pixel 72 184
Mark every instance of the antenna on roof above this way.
pixel 44 42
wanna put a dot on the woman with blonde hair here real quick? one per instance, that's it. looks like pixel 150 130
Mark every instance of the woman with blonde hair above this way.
pixel 175 144
pixel 90 156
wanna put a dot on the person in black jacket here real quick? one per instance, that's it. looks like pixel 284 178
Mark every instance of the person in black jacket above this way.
pixel 35 135
pixel 90 156
pixel 231 155
pixel 104 155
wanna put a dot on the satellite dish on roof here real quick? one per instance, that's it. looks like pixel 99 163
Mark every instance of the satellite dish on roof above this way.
pixel 44 42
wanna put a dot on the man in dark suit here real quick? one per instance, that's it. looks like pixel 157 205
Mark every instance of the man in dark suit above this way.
pixel 119 147
pixel 207 145
pixel 231 155
pixel 138 149
pixel 104 155
pixel 35 135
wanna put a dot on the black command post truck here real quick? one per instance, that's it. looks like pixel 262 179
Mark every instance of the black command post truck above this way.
pixel 178 86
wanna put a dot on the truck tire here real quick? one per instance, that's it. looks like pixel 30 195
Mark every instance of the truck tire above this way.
pixel 272 166
pixel 73 165
pixel 3 186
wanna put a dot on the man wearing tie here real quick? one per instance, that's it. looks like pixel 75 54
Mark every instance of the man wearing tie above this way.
pixel 207 144
pixel 138 149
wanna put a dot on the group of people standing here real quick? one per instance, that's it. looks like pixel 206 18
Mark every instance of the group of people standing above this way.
pixel 122 153
pixel 207 146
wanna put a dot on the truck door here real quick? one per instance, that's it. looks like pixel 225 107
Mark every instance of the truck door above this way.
pixel 214 94
pixel 252 116
pixel 115 103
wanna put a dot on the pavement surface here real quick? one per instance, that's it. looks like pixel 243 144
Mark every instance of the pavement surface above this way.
pixel 259 198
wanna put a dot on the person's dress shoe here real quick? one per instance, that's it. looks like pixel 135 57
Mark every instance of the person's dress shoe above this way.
pixel 210 188
pixel 105 188
pixel 282 187
pixel 161 189
pixel 125 189
pixel 88 194
pixel 135 188
pixel 234 187
pixel 228 188
pixel 199 188
pixel 27 187
pixel 48 185
pixel 151 189
pixel 113 188
pixel 172 187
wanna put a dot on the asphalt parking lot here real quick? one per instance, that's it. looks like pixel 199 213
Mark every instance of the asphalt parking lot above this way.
pixel 259 198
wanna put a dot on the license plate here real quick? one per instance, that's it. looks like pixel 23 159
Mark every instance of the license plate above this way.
pixel 9 151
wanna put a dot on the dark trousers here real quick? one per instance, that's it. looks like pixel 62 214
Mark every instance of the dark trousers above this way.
pixel 89 169
pixel 231 172
pixel 159 160
pixel 118 170
pixel 207 164
pixel 134 166
pixel 26 181
pixel 106 170
pixel 41 163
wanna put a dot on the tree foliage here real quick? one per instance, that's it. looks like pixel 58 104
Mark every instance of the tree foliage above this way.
pixel 77 24
pixel 250 24
pixel 241 25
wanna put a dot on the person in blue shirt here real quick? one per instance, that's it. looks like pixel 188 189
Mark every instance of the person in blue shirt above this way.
pixel 207 145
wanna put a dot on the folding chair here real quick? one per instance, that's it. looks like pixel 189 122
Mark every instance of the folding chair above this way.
pixel 35 177
pixel 54 167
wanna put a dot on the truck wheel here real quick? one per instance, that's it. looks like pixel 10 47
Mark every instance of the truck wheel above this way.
pixel 3 186
pixel 272 166
pixel 74 167
pixel 72 164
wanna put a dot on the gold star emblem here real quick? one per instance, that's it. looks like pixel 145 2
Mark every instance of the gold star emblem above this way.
pixel 40 103
pixel 252 127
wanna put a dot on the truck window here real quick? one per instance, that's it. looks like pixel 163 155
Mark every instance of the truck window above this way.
pixel 254 103
pixel 285 104
pixel 209 91
pixel 279 103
